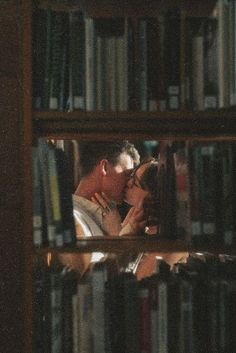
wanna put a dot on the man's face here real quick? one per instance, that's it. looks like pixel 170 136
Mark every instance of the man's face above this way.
pixel 115 181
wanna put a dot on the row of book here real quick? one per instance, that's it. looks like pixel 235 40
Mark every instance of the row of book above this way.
pixel 197 192
pixel 53 222
pixel 189 309
pixel 166 62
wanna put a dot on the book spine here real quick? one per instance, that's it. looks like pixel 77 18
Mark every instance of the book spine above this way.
pixel 144 309
pixel 56 312
pixel 110 77
pixel 75 326
pixel 172 58
pixel 90 55
pixel 101 72
pixel 210 64
pixel 55 197
pixel 65 197
pixel 84 307
pixel 47 70
pixel 55 60
pixel 131 317
pixel 198 72
pixel 99 277
pixel 37 201
pixel 122 68
pixel 77 60
pixel 183 222
pixel 194 172
pixel 143 89
pixel 186 318
pixel 39 33
pixel 162 317
pixel 223 53
pixel 208 192
pixel 43 150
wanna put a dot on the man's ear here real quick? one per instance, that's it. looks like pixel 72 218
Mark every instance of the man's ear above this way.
pixel 103 165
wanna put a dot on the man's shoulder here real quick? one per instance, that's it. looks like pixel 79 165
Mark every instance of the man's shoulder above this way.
pixel 87 223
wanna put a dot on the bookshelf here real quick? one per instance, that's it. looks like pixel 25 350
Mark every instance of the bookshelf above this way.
pixel 20 126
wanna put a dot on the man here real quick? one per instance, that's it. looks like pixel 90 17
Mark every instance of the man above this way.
pixel 104 169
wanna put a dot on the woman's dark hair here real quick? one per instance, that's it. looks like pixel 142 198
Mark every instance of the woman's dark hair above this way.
pixel 150 178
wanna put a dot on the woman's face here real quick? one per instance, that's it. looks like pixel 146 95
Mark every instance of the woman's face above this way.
pixel 134 193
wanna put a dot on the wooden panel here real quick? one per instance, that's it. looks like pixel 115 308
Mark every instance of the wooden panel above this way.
pixel 137 125
pixel 9 37
pixel 11 180
pixel 133 8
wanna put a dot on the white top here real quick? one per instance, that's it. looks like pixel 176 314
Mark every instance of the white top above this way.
pixel 89 216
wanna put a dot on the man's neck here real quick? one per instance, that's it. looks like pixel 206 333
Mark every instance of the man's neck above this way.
pixel 87 188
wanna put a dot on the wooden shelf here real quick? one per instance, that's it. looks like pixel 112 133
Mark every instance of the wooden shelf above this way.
pixel 131 8
pixel 181 125
pixel 117 244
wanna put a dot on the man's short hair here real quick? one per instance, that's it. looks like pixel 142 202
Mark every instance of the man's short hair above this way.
pixel 91 153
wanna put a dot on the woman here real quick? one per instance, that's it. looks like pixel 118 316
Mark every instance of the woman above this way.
pixel 142 194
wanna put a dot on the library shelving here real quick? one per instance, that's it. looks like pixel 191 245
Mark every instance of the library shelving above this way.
pixel 21 125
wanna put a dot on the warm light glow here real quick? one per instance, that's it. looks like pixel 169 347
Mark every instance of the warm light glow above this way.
pixel 159 257
pixel 49 258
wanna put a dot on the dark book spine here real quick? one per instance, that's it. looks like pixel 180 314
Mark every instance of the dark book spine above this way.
pixel 172 58
pixel 47 59
pixel 77 61
pixel 58 65
pixel 210 64
pixel 39 34
pixel 142 66
pixel 144 312
pixel 69 290
pixel 65 197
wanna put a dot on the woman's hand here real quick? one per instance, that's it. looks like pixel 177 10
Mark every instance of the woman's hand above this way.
pixel 111 217
pixel 136 218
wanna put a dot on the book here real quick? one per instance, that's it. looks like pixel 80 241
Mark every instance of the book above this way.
pixel 223 53
pixel 83 316
pixel 208 191
pixel 65 197
pixel 98 278
pixel 39 58
pixel 37 201
pixel 50 232
pixel 122 52
pixel 56 309
pixel 227 162
pixel 69 291
pixel 210 47
pixel 57 75
pixel 183 221
pixel 197 77
pixel 47 57
pixel 40 312
pixel 145 319
pixel 194 183
pixel 142 65
pixel 76 61
pixel 55 197
pixel 172 57
pixel 90 72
